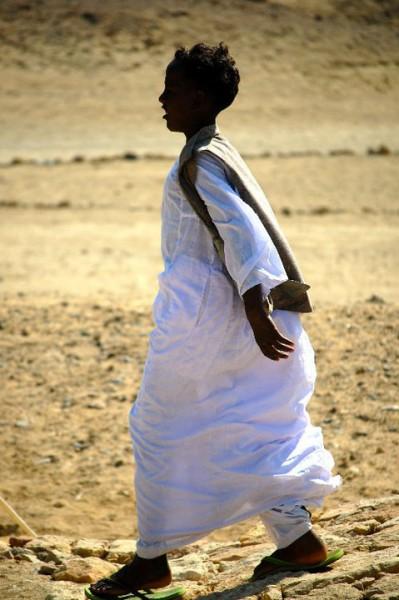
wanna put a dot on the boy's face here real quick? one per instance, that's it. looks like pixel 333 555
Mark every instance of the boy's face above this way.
pixel 182 101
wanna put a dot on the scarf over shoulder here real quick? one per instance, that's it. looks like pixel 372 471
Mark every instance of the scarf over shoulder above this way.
pixel 291 294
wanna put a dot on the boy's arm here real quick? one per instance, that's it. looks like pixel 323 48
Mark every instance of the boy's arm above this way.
pixel 271 342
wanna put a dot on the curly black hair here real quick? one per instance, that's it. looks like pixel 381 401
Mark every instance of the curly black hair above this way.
pixel 213 69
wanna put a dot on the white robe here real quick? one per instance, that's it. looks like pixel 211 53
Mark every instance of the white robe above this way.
pixel 220 432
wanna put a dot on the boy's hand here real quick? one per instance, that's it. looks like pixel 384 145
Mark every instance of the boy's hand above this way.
pixel 271 342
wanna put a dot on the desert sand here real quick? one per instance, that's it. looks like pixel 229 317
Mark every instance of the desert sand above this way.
pixel 83 156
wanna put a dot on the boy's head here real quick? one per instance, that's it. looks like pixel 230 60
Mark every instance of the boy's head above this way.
pixel 199 83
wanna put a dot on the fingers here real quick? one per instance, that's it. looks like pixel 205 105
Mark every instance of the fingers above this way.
pixel 285 347
pixel 280 339
pixel 277 347
pixel 274 354
pixel 274 350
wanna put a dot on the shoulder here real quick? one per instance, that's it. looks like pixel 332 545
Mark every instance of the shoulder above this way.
pixel 207 162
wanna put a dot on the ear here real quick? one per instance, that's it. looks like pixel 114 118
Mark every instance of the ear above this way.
pixel 201 99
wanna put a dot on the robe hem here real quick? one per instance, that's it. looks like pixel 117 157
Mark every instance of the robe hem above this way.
pixel 154 549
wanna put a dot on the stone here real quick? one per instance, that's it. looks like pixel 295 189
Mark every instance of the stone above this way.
pixel 48 569
pixel 24 554
pixel 385 588
pixel 390 566
pixel 271 593
pixel 121 551
pixel 192 567
pixel 84 570
pixel 5 551
pixel 19 540
pixel 53 542
pixel 367 527
pixel 50 555
pixel 86 547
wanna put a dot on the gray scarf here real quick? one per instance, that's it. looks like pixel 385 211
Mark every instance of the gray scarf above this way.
pixel 289 295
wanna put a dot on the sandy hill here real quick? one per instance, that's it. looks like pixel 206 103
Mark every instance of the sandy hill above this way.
pixel 83 77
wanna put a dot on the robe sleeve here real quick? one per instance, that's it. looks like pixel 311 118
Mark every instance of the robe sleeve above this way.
pixel 251 257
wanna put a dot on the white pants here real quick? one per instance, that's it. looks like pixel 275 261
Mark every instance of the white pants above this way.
pixel 284 524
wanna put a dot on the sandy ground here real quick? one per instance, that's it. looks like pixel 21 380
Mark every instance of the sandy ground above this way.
pixel 79 240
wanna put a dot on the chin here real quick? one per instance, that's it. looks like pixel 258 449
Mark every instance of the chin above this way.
pixel 173 126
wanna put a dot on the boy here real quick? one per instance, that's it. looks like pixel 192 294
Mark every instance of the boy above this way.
pixel 220 428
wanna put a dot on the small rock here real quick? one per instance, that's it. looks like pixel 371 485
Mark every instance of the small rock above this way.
pixel 116 381
pixel 99 405
pixel 5 551
pixel 51 555
pixel 121 551
pixel 18 540
pixel 50 542
pixel 45 460
pixel 375 299
pixel 272 592
pixel 85 547
pixel 22 423
pixel 67 402
pixel 48 569
pixel 366 527
pixel 384 589
pixel 192 567
pixel 129 156
pixel 24 554
pixel 390 565
pixel 84 570
pixel 364 583
pixel 81 445
pixel 381 150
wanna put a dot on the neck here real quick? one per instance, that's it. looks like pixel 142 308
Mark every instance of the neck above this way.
pixel 199 125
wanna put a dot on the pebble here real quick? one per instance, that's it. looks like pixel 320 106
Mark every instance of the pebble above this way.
pixel 48 569
pixel 375 299
pixel 18 540
pixel 121 551
pixel 84 570
pixel 24 554
pixel 116 381
pixel 67 402
pixel 99 405
pixel 49 542
pixel 192 567
pixel 366 527
pixel 86 547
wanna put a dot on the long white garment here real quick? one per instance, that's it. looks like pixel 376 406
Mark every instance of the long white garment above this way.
pixel 219 431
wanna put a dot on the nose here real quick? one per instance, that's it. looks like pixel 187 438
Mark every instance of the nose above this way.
pixel 161 97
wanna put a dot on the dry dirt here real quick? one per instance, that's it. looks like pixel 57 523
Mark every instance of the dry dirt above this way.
pixel 79 229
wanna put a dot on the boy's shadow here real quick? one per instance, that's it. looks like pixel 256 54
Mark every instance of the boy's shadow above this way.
pixel 252 588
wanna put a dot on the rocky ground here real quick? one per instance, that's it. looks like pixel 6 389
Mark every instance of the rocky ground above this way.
pixel 58 568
